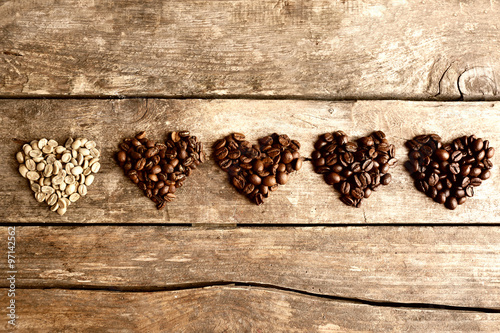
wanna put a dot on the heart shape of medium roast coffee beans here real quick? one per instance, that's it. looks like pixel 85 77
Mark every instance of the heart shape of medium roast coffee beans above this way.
pixel 158 168
pixel 355 168
pixel 257 170
pixel 59 175
pixel 448 173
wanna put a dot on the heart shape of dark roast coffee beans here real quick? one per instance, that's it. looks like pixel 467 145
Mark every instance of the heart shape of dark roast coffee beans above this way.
pixel 448 173
pixel 355 169
pixel 257 170
pixel 159 169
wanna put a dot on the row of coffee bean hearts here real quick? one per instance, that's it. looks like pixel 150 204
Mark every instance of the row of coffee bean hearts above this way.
pixel 447 173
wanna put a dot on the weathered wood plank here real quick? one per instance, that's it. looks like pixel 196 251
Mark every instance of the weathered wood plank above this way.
pixel 225 309
pixel 207 196
pixel 322 49
pixel 457 266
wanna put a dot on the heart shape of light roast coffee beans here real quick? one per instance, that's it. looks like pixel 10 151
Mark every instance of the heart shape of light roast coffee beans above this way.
pixel 158 168
pixel 448 173
pixel 59 175
pixel 355 169
pixel 257 170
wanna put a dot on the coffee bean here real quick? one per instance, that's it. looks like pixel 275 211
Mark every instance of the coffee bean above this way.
pixel 477 145
pixel 475 181
pixel 345 188
pixel 487 163
pixel 259 199
pixel 386 179
pixel 442 154
pixel 238 136
pixel 255 179
pixel 269 181
pixel 454 168
pixel 368 166
pixel 357 193
pixel 139 165
pixel 440 197
pixel 486 174
pixel 347 200
pixel 451 203
pixel 332 178
pixel 282 178
pixel 122 157
pixel 456 156
pixel 239 182
pixel 433 179
pixel 221 153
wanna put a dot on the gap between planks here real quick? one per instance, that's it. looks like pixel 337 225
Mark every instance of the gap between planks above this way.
pixel 255 97
pixel 209 284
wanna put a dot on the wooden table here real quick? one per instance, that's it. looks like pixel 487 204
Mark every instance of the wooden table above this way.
pixel 212 261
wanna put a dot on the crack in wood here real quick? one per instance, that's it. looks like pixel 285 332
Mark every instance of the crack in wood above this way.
pixel 209 284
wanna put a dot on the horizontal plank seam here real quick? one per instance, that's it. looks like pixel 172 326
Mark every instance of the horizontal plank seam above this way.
pixel 202 285
pixel 245 225
pixel 255 97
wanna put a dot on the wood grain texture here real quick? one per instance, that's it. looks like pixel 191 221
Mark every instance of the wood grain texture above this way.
pixel 225 309
pixel 207 196
pixel 317 49
pixel 457 266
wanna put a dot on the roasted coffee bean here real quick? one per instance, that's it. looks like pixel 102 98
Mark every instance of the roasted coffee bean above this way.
pixel 156 169
pixel 239 182
pixel 282 178
pixel 475 181
pixel 221 153
pixel 255 179
pixel 238 136
pixel 332 178
pixel 139 165
pixel 345 187
pixel 357 193
pixel 486 174
pixel 269 181
pixel 259 199
pixel 386 179
pixel 347 200
pixel 451 203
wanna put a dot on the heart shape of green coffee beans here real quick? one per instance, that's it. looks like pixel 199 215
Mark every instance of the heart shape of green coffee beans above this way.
pixel 59 175
pixel 448 173
pixel 354 168
pixel 257 170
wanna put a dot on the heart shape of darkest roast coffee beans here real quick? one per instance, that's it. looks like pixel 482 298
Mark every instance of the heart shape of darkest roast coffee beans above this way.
pixel 448 173
pixel 355 169
pixel 257 170
pixel 59 175
pixel 157 168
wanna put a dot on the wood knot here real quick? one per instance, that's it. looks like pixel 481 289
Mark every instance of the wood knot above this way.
pixel 478 83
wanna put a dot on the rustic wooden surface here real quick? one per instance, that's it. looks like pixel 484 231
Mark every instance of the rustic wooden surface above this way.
pixel 316 49
pixel 435 265
pixel 115 264
pixel 227 309
pixel 208 197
